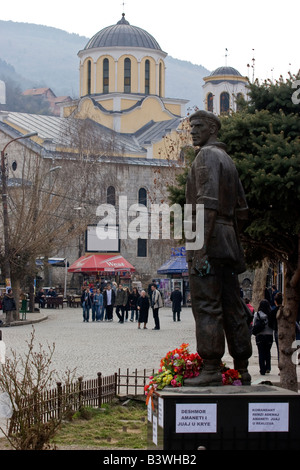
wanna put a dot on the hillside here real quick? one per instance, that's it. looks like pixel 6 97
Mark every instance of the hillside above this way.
pixel 35 56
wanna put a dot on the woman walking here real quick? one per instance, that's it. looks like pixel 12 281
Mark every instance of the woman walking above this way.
pixel 133 299
pixel 264 339
pixel 143 309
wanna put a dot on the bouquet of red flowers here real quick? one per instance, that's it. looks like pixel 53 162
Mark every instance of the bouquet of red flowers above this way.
pixel 231 377
pixel 175 367
pixel 179 364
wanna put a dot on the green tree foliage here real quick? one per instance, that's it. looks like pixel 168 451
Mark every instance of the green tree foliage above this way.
pixel 263 139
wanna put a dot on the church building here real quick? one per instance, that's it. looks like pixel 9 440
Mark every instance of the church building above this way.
pixel 137 131
pixel 222 88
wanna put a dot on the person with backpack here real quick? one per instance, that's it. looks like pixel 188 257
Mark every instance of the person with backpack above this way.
pixel 264 337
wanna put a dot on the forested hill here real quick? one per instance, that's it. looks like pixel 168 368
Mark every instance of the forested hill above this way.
pixel 38 56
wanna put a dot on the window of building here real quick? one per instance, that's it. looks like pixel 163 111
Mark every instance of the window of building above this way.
pixel 142 248
pixel 127 76
pixel 160 79
pixel 111 196
pixel 210 102
pixel 143 196
pixel 147 77
pixel 105 76
pixel 224 102
pixel 89 77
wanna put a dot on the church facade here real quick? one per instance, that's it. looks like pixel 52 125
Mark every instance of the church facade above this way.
pixel 137 133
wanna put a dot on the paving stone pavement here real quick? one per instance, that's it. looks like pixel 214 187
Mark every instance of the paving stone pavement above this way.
pixel 106 347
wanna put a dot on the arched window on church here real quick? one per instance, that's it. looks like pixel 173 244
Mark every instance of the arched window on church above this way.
pixel 210 102
pixel 160 79
pixel 143 196
pixel 224 102
pixel 111 196
pixel 127 76
pixel 105 76
pixel 89 77
pixel 147 77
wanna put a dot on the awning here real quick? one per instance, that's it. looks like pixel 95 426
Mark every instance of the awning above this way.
pixel 95 263
pixel 176 264
pixel 53 261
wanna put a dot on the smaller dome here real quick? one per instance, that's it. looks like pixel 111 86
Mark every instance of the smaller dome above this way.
pixel 225 71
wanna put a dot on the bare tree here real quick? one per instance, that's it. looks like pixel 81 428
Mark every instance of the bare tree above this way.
pixel 42 204
pixel 25 380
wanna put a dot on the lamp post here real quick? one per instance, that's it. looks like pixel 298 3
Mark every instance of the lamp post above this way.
pixel 4 206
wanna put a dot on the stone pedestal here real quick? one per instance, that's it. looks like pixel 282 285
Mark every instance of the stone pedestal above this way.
pixel 256 417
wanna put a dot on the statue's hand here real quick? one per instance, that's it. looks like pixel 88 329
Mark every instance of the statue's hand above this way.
pixel 201 265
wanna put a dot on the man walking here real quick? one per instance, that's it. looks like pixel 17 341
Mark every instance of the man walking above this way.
pixel 156 304
pixel 121 300
pixel 176 299
pixel 86 302
pixel 108 302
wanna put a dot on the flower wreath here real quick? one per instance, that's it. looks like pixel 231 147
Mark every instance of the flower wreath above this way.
pixel 180 364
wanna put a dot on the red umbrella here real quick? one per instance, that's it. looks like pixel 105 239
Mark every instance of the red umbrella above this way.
pixel 100 262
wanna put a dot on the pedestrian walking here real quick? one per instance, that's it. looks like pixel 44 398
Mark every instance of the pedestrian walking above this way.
pixel 109 302
pixel 120 303
pixel 133 299
pixel 176 299
pixel 156 304
pixel 9 306
pixel 264 339
pixel 86 302
pixel 278 299
pixel 143 306
pixel 97 308
pixel 126 308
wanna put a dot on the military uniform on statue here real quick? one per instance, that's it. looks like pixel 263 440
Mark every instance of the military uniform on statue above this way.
pixel 213 270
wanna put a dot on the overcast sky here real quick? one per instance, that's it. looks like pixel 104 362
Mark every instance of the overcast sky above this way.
pixel 192 30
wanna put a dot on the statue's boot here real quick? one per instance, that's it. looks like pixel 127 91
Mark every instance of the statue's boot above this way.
pixel 242 367
pixel 210 375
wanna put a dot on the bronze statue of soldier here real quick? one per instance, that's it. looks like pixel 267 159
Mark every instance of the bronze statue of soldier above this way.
pixel 217 307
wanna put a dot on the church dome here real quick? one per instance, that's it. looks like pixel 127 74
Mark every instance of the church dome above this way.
pixel 123 34
pixel 225 71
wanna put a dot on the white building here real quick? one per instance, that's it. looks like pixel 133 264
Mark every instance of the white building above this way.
pixel 222 88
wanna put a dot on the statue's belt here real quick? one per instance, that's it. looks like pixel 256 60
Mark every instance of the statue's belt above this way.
pixel 224 220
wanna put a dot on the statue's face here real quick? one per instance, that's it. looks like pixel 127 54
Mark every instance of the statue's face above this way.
pixel 201 131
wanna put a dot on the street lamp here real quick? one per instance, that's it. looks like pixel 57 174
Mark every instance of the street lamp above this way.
pixel 4 206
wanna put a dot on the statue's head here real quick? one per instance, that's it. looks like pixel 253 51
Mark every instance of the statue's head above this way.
pixel 204 127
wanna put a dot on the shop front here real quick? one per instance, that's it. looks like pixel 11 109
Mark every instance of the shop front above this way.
pixel 176 275
pixel 101 267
